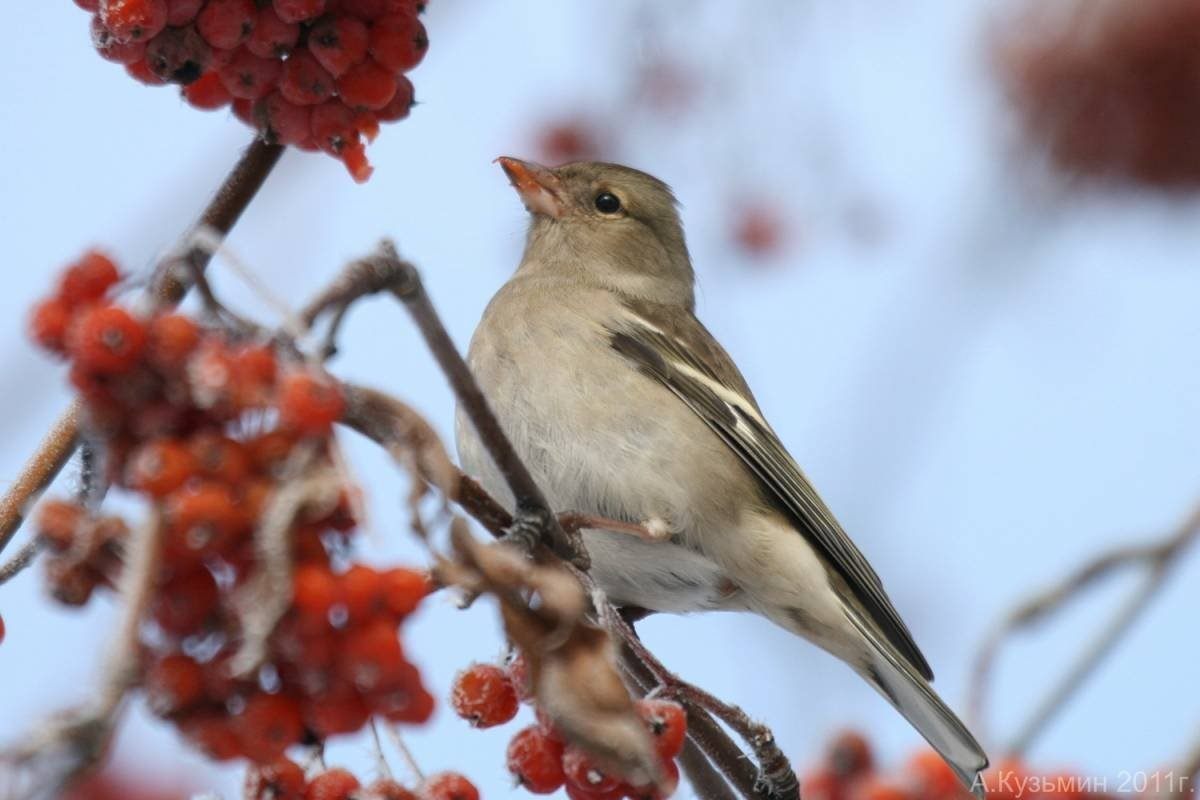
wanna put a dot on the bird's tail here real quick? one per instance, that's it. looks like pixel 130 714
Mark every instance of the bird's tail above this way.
pixel 914 698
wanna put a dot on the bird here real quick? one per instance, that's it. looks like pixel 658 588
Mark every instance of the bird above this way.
pixel 624 406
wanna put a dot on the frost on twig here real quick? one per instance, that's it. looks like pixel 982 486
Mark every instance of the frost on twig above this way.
pixel 572 663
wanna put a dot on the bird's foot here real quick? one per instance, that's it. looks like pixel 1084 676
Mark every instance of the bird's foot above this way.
pixel 655 529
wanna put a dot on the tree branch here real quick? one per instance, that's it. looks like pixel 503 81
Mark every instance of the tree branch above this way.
pixel 385 420
pixel 386 271
pixel 222 212
pixel 1156 559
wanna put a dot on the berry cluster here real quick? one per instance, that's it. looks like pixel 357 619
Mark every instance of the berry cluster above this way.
pixel 206 428
pixel 848 772
pixel 317 74
pixel 283 779
pixel 540 760
pixel 1108 88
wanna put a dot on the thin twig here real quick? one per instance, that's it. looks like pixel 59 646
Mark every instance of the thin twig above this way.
pixel 405 753
pixel 385 271
pixel 1156 558
pixel 49 459
pixel 725 755
pixel 231 200
pixel 775 775
pixel 24 557
pixel 706 781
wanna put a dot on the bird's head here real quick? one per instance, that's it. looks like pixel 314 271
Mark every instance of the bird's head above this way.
pixel 618 226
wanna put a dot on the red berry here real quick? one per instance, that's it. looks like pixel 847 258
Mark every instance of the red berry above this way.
pixel 299 10
pixel 112 49
pixel 483 695
pixel 212 733
pixel 107 340
pixel 822 784
pixel 159 467
pixel 207 92
pixel 134 20
pixel 670 782
pixel 202 518
pixel 367 86
pixel 535 759
pixel 386 789
pixel 177 55
pixel 219 457
pixel 304 81
pixel 334 127
pixel 850 754
pixel 934 778
pixel 186 602
pixel 398 41
pixel 281 779
pixel 48 325
pixel 667 723
pixel 272 37
pixel 336 712
pixel 338 43
pixel 403 589
pixel 248 76
pixel 309 403
pixel 57 522
pixel 354 156
pixel 225 24
pixel 269 724
pixel 362 588
pixel 581 772
pixel 315 591
pixel 88 279
pixel 282 120
pixel 371 657
pixel 142 72
pixel 170 340
pixel 181 12
pixel 447 786
pixel 89 5
pixel 174 683
pixel 873 787
pixel 332 784
pixel 401 103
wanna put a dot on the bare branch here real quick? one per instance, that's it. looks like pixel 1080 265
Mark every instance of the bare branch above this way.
pixel 1156 559
pixel 19 562
pixel 385 271
pixel 223 211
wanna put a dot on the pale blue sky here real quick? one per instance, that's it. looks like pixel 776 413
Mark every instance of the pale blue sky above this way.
pixel 1006 382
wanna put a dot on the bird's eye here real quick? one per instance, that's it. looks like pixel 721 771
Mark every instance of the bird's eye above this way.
pixel 607 203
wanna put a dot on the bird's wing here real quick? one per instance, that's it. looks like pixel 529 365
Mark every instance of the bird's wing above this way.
pixel 679 352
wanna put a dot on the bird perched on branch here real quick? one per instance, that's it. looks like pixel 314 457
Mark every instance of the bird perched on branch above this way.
pixel 624 406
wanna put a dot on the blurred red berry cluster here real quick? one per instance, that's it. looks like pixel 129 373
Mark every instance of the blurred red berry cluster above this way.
pixel 122 784
pixel 849 771
pixel 1109 88
pixel 317 74
pixel 206 427
pixel 487 695
pixel 283 779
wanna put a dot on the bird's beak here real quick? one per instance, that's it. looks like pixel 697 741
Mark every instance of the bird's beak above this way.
pixel 540 189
